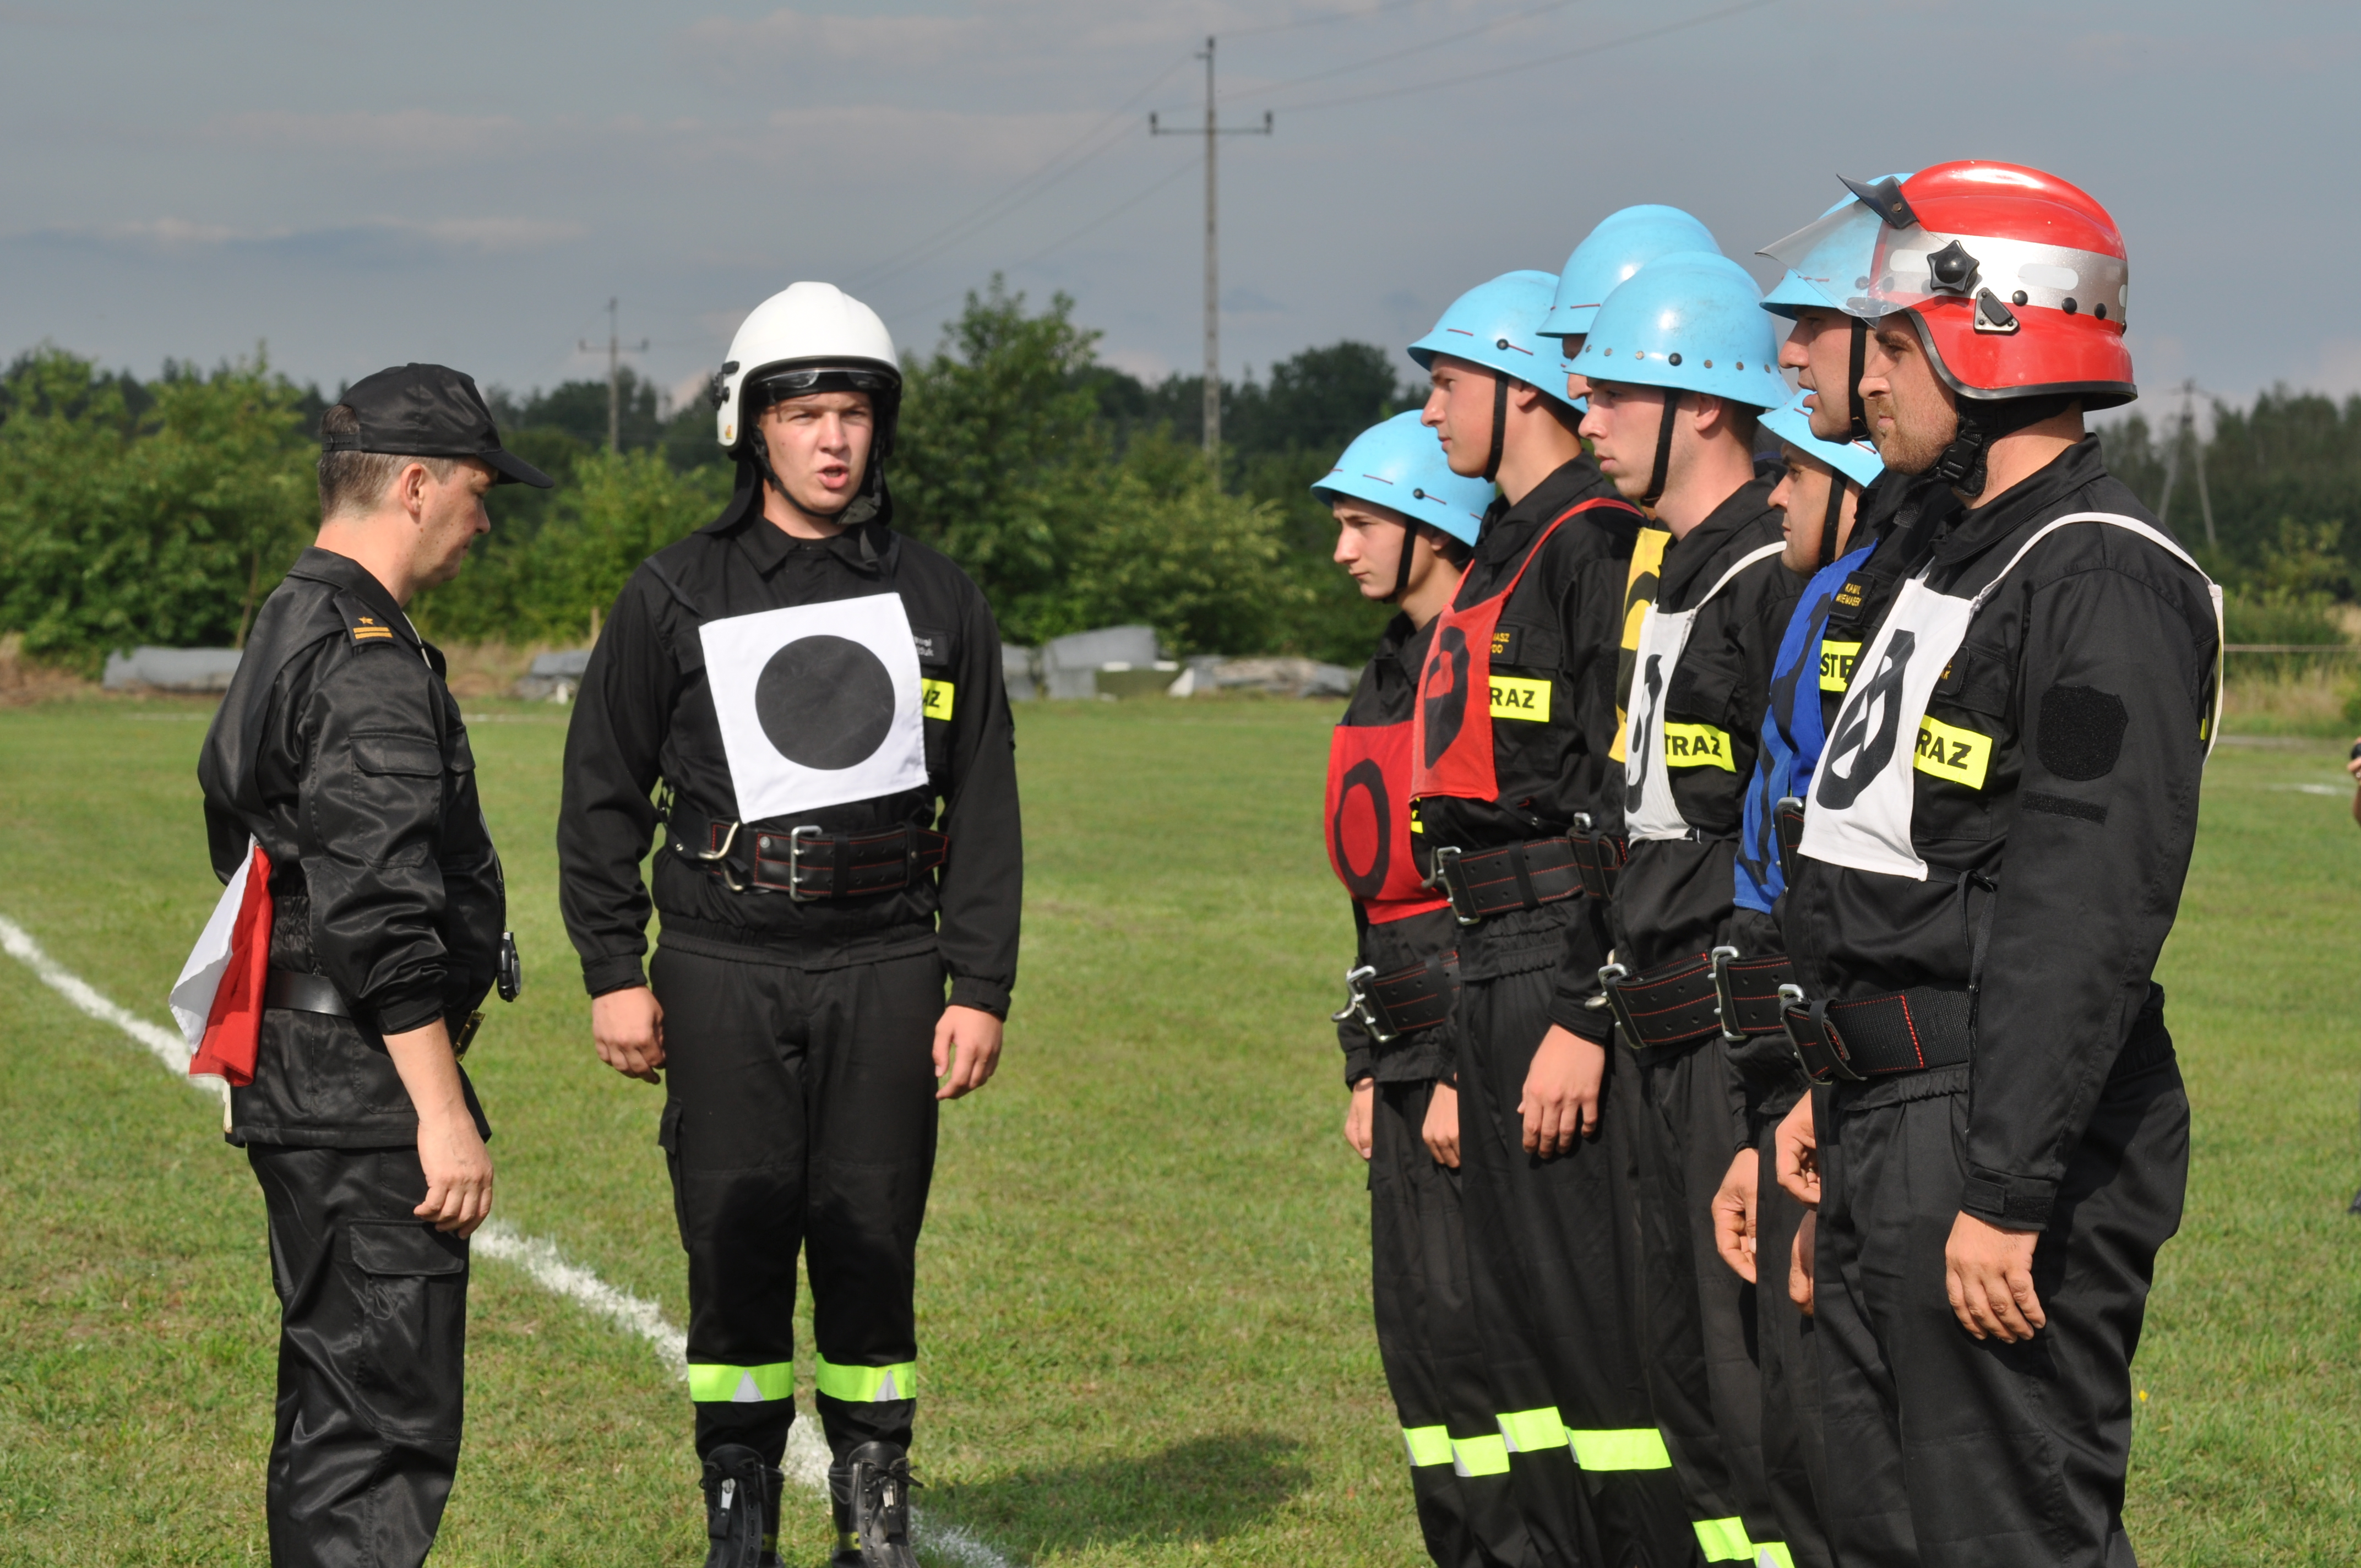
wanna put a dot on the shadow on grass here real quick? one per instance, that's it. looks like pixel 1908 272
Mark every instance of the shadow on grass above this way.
pixel 1201 1490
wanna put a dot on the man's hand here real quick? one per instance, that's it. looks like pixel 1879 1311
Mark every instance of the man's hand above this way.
pixel 1989 1274
pixel 459 1169
pixel 967 1050
pixel 1797 1144
pixel 1359 1113
pixel 1561 1097
pixel 627 1026
pixel 1441 1129
pixel 1733 1216
pixel 1800 1261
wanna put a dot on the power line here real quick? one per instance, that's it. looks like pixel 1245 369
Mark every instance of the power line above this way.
pixel 1327 17
pixel 1425 47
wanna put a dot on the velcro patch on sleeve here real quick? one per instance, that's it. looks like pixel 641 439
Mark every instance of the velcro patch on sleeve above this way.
pixel 2081 731
pixel 1837 660
pixel 1515 698
pixel 1948 751
pixel 935 699
pixel 1697 746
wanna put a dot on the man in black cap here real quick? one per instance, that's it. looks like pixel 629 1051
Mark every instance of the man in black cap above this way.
pixel 339 753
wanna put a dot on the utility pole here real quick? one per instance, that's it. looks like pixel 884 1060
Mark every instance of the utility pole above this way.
pixel 1214 129
pixel 2186 435
pixel 615 349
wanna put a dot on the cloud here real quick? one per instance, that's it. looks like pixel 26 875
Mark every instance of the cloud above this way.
pixel 388 240
pixel 410 136
pixel 1241 302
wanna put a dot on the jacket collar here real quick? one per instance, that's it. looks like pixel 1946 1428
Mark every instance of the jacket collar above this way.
pixel 1687 559
pixel 2043 494
pixel 348 575
pixel 867 548
pixel 1510 530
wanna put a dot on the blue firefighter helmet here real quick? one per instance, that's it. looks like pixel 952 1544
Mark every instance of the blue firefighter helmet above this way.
pixel 1827 263
pixel 1692 321
pixel 1497 326
pixel 1856 460
pixel 1398 464
pixel 1621 243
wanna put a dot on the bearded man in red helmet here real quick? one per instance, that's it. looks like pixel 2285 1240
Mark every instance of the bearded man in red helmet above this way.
pixel 1993 853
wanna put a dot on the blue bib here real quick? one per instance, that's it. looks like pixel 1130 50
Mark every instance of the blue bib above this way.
pixel 1791 735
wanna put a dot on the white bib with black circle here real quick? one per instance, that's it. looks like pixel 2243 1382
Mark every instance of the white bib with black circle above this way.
pixel 1648 808
pixel 1864 793
pixel 819 704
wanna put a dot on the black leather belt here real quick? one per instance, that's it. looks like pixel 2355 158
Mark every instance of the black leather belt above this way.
pixel 1712 994
pixel 1788 815
pixel 301 993
pixel 1599 856
pixel 1496 881
pixel 1404 1003
pixel 809 863
pixel 1875 1036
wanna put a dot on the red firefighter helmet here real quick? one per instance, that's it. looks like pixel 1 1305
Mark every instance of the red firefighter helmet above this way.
pixel 2018 279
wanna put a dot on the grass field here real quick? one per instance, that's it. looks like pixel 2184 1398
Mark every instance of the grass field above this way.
pixel 1144 1300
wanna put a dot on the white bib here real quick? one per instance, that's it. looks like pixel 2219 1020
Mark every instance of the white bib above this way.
pixel 1648 808
pixel 819 704
pixel 1864 794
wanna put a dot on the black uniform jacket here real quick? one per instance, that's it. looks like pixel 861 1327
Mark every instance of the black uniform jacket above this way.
pixel 2090 671
pixel 1677 898
pixel 1388 690
pixel 646 713
pixel 1563 624
pixel 1902 514
pixel 339 747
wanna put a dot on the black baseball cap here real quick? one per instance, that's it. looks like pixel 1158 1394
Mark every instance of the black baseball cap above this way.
pixel 428 411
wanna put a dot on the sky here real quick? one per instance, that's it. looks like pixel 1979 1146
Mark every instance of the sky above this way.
pixel 351 187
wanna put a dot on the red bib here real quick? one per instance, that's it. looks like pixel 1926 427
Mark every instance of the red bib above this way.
pixel 1451 734
pixel 1368 821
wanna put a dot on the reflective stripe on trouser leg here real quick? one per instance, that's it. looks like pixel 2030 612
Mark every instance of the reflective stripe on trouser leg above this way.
pixel 1724 1541
pixel 1530 1431
pixel 1629 1448
pixel 867 1385
pixel 1772 1554
pixel 1427 1446
pixel 1478 1456
pixel 710 1383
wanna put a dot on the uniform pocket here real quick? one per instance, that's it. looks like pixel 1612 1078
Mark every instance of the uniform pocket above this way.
pixel 410 1374
pixel 401 756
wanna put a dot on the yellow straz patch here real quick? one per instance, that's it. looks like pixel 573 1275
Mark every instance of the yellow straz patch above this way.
pixel 1514 699
pixel 935 699
pixel 1837 660
pixel 1949 752
pixel 1697 746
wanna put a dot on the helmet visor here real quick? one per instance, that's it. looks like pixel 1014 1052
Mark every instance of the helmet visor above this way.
pixel 768 387
pixel 1836 256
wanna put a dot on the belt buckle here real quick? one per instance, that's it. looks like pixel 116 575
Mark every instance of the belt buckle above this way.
pixel 1725 1004
pixel 1822 1053
pixel 798 838
pixel 1446 860
pixel 1357 1006
pixel 719 859
pixel 1610 975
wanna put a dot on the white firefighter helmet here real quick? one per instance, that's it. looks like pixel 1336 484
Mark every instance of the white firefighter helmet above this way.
pixel 809 337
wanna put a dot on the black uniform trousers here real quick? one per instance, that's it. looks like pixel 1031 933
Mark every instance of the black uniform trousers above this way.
pixel 1552 1255
pixel 1701 1331
pixel 799 1112
pixel 372 1357
pixel 1428 1339
pixel 1794 1461
pixel 1955 1452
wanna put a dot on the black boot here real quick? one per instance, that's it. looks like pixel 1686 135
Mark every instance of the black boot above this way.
pixel 737 1507
pixel 774 1487
pixel 870 1490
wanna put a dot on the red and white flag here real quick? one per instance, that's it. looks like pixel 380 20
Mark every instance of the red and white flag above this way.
pixel 217 1001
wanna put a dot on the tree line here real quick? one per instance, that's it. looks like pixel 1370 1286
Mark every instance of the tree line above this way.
pixel 163 510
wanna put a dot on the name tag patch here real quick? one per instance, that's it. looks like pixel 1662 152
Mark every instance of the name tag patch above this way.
pixel 1837 660
pixel 1697 746
pixel 935 699
pixel 1950 752
pixel 1515 698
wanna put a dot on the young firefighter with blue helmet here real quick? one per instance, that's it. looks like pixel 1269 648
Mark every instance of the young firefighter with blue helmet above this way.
pixel 1680 365
pixel 1756 1220
pixel 1405 522
pixel 1510 752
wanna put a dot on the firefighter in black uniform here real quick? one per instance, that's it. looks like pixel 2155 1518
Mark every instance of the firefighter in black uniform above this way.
pixel 340 753
pixel 1992 852
pixel 1681 363
pixel 1404 523
pixel 821 699
pixel 1508 762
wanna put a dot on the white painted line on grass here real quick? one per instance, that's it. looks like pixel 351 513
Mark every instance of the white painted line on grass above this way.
pixel 806 1459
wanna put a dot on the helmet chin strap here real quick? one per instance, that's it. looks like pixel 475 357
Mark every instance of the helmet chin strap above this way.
pixel 1499 426
pixel 1401 572
pixel 1656 475
pixel 1830 519
pixel 1853 379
